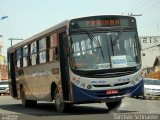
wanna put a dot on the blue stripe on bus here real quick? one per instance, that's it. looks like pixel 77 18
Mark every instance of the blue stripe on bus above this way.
pixel 83 95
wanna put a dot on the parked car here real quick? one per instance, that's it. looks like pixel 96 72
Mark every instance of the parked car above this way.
pixel 151 87
pixel 4 87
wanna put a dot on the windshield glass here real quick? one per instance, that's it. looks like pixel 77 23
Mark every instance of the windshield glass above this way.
pixel 4 83
pixel 151 82
pixel 93 51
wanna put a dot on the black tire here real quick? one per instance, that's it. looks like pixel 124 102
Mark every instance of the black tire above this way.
pixel 143 97
pixel 137 97
pixel 25 102
pixel 59 102
pixel 113 105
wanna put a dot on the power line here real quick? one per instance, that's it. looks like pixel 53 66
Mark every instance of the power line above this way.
pixel 13 28
pixel 139 5
pixel 145 6
pixel 154 27
pixel 149 8
pixel 10 27
pixel 5 30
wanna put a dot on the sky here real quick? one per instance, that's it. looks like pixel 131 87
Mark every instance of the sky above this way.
pixel 29 17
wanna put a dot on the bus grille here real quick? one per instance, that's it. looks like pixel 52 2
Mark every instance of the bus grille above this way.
pixel 2 88
pixel 111 74
pixel 108 85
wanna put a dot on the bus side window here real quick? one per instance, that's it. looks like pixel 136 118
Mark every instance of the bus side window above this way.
pixel 53 51
pixel 42 51
pixel 51 54
pixel 18 58
pixel 33 53
pixel 25 56
pixel 47 48
pixel 28 57
pixel 55 54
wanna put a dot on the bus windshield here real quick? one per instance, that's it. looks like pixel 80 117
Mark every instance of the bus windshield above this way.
pixel 104 50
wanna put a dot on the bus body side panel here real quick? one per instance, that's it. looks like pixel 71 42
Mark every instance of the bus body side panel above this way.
pixel 37 80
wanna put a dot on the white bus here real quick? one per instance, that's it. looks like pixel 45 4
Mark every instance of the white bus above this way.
pixel 83 60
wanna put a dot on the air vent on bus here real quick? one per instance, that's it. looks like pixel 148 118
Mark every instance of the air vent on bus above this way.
pixel 108 85
pixel 111 74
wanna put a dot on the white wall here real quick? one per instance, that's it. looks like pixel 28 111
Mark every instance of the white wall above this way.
pixel 150 56
pixel 150 50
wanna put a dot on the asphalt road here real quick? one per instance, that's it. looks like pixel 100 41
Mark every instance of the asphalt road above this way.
pixel 11 109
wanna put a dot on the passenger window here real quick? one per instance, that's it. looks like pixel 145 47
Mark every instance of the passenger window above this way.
pixel 18 58
pixel 25 55
pixel 33 56
pixel 42 50
pixel 53 52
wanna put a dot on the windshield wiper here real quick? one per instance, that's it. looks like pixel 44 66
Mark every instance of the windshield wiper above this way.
pixel 90 35
pixel 115 41
pixel 93 39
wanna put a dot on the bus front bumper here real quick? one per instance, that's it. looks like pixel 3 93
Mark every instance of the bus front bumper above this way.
pixel 82 95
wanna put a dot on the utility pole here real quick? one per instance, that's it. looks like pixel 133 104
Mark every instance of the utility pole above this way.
pixel 11 39
pixel 131 14
pixel 158 27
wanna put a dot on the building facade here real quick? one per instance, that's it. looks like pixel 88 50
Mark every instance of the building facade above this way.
pixel 150 50
pixel 3 66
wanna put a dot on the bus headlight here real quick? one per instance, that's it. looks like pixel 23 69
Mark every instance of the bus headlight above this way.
pixel 77 82
pixel 83 85
pixel 135 81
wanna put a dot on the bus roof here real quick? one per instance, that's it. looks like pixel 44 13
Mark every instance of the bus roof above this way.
pixel 34 37
pixel 60 25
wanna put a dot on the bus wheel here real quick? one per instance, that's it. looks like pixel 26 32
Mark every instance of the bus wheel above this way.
pixel 113 105
pixel 27 103
pixel 59 102
pixel 143 97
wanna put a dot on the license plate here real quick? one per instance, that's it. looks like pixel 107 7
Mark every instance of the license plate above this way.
pixel 111 92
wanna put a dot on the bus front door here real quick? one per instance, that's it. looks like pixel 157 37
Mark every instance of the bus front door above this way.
pixel 64 66
pixel 12 74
